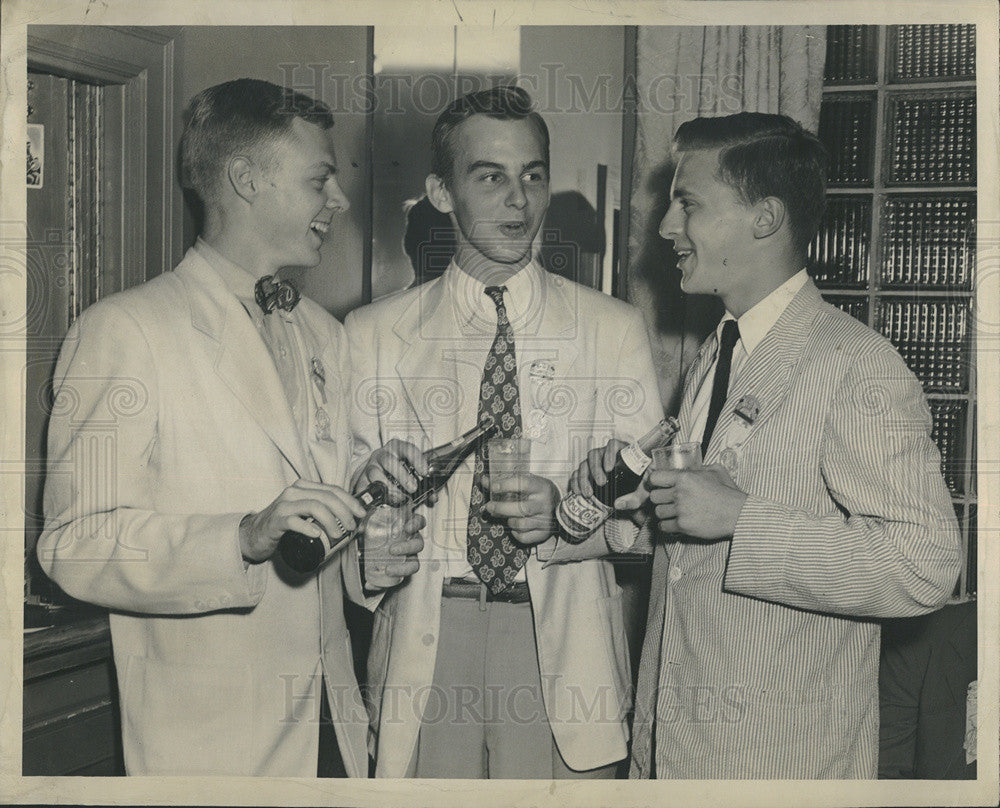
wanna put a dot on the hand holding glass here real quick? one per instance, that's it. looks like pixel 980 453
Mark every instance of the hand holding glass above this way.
pixel 508 458
pixel 382 526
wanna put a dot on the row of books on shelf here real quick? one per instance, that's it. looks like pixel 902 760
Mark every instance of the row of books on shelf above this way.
pixel 931 138
pixel 932 337
pixel 949 419
pixel 850 54
pixel 933 51
pixel 847 129
pixel 927 242
pixel 916 52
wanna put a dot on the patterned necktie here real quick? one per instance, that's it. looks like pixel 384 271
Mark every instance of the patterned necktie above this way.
pixel 720 383
pixel 494 555
pixel 272 294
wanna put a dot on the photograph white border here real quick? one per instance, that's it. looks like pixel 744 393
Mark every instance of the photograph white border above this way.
pixel 18 14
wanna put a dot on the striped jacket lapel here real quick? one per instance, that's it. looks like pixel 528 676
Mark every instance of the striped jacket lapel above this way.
pixel 768 370
pixel 696 376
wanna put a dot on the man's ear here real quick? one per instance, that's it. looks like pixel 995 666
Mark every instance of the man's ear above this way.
pixel 769 215
pixel 242 176
pixel 438 193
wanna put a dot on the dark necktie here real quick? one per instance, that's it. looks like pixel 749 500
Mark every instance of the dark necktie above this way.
pixel 272 294
pixel 494 555
pixel 720 383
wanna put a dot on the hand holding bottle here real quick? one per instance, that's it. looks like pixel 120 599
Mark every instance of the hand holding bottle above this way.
pixel 580 513
pixel 306 507
pixel 400 465
pixel 592 474
pixel 305 551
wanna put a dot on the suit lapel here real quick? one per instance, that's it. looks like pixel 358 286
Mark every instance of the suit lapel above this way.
pixel 430 373
pixel 549 328
pixel 330 382
pixel 768 370
pixel 242 361
pixel 697 375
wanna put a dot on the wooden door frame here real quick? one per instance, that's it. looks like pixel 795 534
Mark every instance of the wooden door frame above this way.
pixel 143 66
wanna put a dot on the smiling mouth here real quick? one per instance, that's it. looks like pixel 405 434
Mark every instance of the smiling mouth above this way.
pixel 514 229
pixel 320 228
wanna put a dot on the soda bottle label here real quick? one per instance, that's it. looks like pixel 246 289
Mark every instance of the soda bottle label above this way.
pixel 580 516
pixel 635 458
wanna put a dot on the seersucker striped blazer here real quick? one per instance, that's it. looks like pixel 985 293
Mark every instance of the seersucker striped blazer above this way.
pixel 761 653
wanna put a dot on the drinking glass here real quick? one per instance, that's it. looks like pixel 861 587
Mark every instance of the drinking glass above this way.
pixel 509 457
pixel 677 456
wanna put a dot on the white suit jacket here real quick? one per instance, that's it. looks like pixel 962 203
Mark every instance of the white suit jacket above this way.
pixel 415 379
pixel 761 653
pixel 170 424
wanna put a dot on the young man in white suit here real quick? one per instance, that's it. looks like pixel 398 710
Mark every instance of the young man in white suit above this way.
pixel 195 422
pixel 820 507
pixel 527 677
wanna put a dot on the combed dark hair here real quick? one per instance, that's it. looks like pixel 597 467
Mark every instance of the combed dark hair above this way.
pixel 765 155
pixel 241 116
pixel 504 103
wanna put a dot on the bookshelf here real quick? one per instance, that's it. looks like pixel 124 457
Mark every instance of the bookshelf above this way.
pixel 896 249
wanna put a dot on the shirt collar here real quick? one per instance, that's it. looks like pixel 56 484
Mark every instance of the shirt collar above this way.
pixel 757 321
pixel 474 306
pixel 237 279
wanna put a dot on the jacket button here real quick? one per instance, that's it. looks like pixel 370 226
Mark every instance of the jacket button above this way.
pixel 428 639
pixel 676 574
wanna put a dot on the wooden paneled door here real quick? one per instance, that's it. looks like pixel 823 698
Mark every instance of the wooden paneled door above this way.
pixel 103 214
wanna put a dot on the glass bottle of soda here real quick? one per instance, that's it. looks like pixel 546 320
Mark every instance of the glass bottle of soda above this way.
pixel 579 516
pixel 304 553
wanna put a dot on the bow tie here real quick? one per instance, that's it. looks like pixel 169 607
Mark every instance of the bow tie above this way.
pixel 271 294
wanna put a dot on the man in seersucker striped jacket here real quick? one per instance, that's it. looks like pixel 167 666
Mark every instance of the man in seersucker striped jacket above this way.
pixel 820 507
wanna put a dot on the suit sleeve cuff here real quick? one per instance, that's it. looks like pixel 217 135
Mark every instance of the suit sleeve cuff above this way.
pixel 756 566
pixel 253 575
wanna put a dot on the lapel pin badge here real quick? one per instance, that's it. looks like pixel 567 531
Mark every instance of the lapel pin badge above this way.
pixel 543 370
pixel 319 377
pixel 318 371
pixel 730 460
pixel 748 408
pixel 323 425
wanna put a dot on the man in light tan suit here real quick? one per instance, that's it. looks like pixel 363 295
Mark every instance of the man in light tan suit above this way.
pixel 197 418
pixel 482 664
pixel 820 509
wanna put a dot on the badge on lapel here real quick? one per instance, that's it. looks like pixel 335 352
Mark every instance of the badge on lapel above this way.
pixel 730 459
pixel 323 425
pixel 746 411
pixel 538 425
pixel 318 375
pixel 748 408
